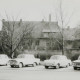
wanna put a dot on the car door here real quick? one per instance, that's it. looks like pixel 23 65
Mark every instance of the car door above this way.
pixel 28 59
pixel 4 59
pixel 31 59
pixel 63 61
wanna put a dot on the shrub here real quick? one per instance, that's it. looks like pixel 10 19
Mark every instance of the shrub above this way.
pixel 75 57
pixel 44 56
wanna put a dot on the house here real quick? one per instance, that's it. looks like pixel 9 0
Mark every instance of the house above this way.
pixel 42 35
pixel 42 32
pixel 72 38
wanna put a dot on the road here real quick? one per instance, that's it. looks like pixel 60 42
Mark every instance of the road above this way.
pixel 38 73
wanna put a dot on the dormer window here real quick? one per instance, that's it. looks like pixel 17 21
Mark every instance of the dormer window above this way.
pixel 46 35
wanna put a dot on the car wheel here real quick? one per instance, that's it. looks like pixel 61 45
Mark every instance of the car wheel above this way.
pixel 57 66
pixel 34 64
pixel 67 65
pixel 6 64
pixel 39 63
pixel 20 65
pixel 12 66
pixel 46 67
pixel 75 68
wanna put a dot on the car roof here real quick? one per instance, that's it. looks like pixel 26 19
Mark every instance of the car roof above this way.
pixel 25 54
pixel 59 55
pixel 2 54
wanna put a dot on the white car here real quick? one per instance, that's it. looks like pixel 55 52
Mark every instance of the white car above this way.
pixel 4 59
pixel 57 61
pixel 76 64
pixel 70 62
pixel 24 60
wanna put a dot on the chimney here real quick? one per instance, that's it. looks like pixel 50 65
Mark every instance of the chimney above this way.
pixel 42 20
pixel 49 17
pixel 68 27
pixel 20 22
pixel 3 28
pixel 3 20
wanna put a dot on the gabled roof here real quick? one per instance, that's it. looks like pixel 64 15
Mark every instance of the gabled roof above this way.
pixel 72 34
pixel 69 34
pixel 51 27
pixel 39 27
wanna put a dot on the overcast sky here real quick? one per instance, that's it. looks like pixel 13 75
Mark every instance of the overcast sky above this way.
pixel 36 10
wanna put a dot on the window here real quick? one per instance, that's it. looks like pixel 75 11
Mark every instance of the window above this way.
pixel 46 34
pixel 37 42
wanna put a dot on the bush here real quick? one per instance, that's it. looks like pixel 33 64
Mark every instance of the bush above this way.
pixel 68 54
pixel 44 56
pixel 75 57
pixel 17 52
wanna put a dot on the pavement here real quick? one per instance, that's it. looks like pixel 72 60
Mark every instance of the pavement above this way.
pixel 38 73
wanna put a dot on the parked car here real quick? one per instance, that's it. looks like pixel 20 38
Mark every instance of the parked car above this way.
pixel 70 62
pixel 76 64
pixel 57 61
pixel 24 60
pixel 4 59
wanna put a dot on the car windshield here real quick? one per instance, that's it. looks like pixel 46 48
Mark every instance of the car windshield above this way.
pixel 3 56
pixel 0 57
pixel 79 58
pixel 20 56
pixel 54 57
pixel 25 56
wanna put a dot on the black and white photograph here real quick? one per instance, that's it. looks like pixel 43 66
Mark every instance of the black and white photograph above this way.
pixel 39 39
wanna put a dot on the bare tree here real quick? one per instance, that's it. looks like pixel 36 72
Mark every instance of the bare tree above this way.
pixel 54 37
pixel 54 40
pixel 13 34
pixel 62 18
